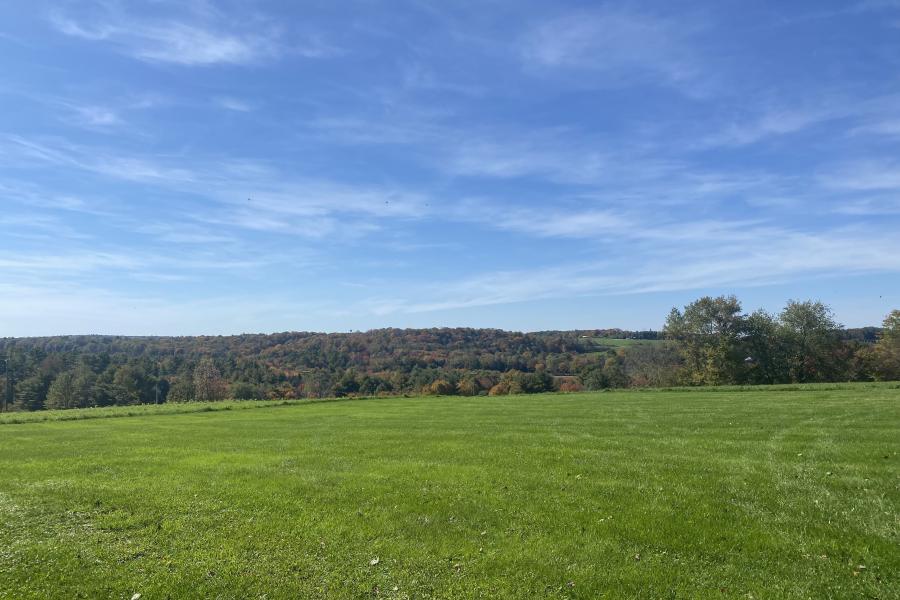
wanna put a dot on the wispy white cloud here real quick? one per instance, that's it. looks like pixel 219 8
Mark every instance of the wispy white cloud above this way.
pixel 173 41
pixel 31 195
pixel 877 205
pixel 147 101
pixel 231 103
pixel 556 154
pixel 313 46
pixel 587 224
pixel 353 130
pixel 39 227
pixel 864 176
pixel 623 225
pixel 183 233
pixel 634 170
pixel 74 262
pixel 23 151
pixel 523 157
pixel 256 196
pixel 418 77
pixel 247 194
pixel 772 119
pixel 95 117
pixel 94 109
pixel 66 263
pixel 772 123
pixel 552 222
pixel 875 5
pixel 781 256
pixel 887 128
pixel 625 45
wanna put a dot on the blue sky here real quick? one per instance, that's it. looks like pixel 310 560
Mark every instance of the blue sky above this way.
pixel 191 167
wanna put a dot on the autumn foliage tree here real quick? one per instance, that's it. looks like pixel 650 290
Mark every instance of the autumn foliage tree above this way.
pixel 710 341
pixel 208 382
pixel 442 387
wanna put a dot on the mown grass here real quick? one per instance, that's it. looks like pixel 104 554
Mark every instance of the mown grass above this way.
pixel 737 494
pixel 139 410
pixel 111 412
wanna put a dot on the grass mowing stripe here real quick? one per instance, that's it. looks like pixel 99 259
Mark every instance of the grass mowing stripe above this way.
pixel 142 410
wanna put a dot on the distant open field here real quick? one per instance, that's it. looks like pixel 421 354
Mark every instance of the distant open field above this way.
pixel 769 493
pixel 607 342
pixel 602 342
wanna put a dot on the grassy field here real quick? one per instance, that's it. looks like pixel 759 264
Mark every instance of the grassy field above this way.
pixel 621 342
pixel 659 494
pixel 113 412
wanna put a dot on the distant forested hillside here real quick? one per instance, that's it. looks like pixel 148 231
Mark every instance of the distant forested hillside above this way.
pixel 710 342
pixel 100 370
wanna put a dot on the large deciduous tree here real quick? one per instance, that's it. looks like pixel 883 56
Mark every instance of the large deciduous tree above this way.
pixel 886 354
pixel 809 332
pixel 710 332
pixel 766 360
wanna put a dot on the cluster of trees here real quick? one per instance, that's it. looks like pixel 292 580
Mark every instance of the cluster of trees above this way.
pixel 709 342
pixel 801 344
pixel 654 365
pixel 35 380
pixel 883 358
pixel 80 371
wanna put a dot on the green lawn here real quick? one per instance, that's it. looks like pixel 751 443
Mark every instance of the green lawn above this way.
pixel 733 494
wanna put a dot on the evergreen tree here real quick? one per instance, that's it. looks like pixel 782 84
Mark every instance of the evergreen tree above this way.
pixel 31 393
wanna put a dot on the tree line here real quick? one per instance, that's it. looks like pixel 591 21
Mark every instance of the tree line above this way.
pixel 803 343
pixel 708 342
